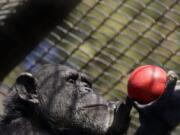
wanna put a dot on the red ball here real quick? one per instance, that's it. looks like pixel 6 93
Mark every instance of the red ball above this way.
pixel 147 83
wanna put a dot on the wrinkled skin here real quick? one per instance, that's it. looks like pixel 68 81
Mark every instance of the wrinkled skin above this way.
pixel 57 100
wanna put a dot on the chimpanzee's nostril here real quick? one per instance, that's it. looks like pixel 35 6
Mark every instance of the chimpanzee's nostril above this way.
pixel 85 90
pixel 88 89
pixel 86 85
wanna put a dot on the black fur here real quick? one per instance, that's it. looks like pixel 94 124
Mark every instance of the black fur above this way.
pixel 58 100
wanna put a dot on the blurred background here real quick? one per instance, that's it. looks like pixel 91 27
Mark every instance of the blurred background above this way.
pixel 108 39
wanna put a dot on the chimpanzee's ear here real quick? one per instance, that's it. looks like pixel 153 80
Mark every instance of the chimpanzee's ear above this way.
pixel 26 87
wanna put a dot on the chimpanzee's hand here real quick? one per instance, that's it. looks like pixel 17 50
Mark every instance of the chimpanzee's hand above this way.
pixel 121 117
pixel 162 115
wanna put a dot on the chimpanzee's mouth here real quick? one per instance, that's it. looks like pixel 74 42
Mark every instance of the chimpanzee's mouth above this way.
pixel 94 105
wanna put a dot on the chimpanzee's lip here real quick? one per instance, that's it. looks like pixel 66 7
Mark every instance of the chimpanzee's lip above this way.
pixel 94 105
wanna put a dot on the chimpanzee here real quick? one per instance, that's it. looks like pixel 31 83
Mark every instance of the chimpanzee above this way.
pixel 4 90
pixel 58 100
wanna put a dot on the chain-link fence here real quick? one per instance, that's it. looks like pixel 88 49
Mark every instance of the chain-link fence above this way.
pixel 108 39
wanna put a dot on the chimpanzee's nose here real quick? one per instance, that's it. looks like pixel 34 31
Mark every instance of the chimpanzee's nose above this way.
pixel 84 87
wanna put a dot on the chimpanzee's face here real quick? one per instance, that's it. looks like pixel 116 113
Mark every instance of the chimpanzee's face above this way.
pixel 69 100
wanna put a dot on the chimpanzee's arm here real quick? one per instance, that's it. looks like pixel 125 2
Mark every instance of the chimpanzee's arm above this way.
pixel 153 127
pixel 161 116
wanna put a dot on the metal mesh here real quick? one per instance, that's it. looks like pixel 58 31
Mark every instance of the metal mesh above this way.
pixel 7 6
pixel 108 39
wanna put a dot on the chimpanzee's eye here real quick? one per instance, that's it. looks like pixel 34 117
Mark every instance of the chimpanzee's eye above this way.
pixel 87 83
pixel 70 80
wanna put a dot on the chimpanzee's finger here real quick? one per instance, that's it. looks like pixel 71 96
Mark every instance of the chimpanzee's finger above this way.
pixel 171 83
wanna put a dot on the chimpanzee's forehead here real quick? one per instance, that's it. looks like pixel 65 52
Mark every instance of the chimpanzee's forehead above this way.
pixel 48 70
pixel 52 69
pixel 67 69
pixel 72 72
